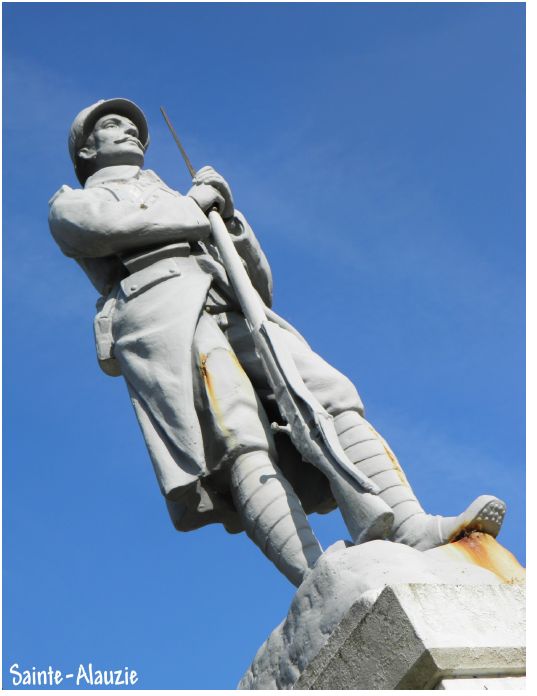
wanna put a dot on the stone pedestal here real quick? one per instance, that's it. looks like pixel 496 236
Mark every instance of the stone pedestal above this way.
pixel 384 616
pixel 424 637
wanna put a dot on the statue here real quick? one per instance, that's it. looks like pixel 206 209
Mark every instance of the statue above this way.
pixel 170 321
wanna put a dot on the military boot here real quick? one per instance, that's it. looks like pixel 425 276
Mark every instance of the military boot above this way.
pixel 273 516
pixel 412 526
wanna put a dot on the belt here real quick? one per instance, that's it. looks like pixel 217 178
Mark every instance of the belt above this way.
pixel 146 257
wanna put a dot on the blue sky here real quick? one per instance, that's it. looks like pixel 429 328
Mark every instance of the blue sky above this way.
pixel 378 152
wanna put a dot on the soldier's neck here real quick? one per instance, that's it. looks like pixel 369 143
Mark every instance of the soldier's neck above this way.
pixel 115 172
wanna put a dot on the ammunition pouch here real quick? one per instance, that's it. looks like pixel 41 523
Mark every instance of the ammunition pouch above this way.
pixel 104 342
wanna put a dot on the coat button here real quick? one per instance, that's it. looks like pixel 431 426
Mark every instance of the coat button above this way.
pixel 134 287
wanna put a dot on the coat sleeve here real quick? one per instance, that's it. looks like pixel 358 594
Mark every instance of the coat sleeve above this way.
pixel 93 223
pixel 255 260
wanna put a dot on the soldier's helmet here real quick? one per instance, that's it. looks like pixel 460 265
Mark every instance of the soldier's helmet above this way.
pixel 86 119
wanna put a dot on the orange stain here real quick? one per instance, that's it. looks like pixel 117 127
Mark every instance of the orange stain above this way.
pixel 211 386
pixel 395 462
pixel 206 376
pixel 211 392
pixel 237 363
pixel 483 550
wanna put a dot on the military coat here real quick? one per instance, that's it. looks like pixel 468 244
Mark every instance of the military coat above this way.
pixel 147 250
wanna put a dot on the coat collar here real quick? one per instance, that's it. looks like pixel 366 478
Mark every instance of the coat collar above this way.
pixel 120 172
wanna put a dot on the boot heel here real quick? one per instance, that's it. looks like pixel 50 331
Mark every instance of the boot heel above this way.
pixel 366 516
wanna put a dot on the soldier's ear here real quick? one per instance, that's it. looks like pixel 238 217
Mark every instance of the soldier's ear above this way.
pixel 87 153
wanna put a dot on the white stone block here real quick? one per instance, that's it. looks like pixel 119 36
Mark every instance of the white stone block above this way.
pixel 383 616
pixel 490 684
pixel 415 635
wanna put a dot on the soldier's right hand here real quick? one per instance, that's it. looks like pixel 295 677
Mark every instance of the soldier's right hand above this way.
pixel 211 189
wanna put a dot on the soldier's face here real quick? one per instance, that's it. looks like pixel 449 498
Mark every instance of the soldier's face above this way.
pixel 114 140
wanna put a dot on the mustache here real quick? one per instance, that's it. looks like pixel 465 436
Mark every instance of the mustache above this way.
pixel 127 138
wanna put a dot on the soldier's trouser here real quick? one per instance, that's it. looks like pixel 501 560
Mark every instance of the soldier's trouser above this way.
pixel 228 365
pixel 412 525
pixel 364 446
pixel 237 436
pixel 366 517
pixel 335 392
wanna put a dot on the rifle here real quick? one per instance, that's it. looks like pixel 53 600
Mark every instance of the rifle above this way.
pixel 308 424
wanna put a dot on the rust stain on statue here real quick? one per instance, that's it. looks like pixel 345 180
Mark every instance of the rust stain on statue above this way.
pixel 397 467
pixel 207 376
pixel 237 363
pixel 483 550
pixel 211 392
pixel 395 462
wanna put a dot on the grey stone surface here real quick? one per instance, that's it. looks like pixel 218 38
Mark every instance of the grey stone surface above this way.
pixel 184 316
pixel 415 634
pixel 383 615
pixel 487 684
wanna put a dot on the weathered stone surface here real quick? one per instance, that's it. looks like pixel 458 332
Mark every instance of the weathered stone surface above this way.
pixel 184 316
pixel 414 634
pixel 346 629
pixel 488 684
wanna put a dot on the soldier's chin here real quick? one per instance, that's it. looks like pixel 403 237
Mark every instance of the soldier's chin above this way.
pixel 131 148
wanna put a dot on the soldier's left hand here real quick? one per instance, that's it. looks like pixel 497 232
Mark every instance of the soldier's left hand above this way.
pixel 210 188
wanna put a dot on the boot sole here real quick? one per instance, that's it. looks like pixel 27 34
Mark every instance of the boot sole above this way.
pixel 484 515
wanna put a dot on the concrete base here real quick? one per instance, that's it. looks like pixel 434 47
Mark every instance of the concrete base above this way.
pixel 490 684
pixel 384 616
pixel 425 637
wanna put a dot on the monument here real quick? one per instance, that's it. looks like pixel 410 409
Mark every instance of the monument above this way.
pixel 244 424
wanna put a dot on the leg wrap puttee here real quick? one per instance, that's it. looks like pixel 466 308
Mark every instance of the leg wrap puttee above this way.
pixel 273 516
pixel 412 525
pixel 367 450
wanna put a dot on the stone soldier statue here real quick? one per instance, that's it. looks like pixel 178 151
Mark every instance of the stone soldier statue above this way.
pixel 169 322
